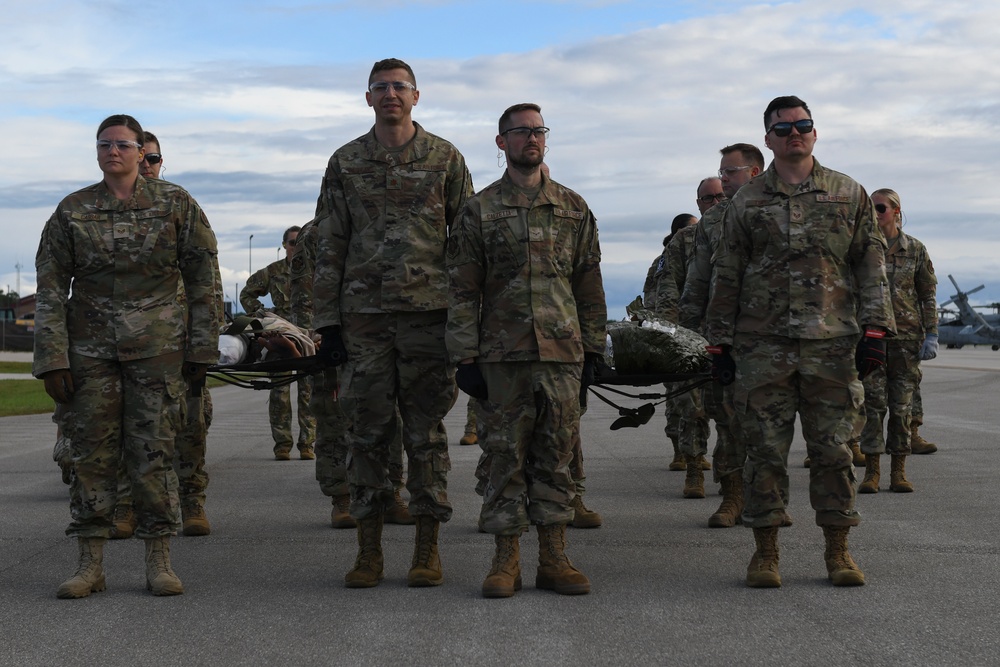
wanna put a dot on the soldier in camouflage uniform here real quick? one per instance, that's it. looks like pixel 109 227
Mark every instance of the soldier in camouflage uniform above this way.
pixel 521 348
pixel 117 350
pixel 386 204
pixel 693 427
pixel 913 286
pixel 668 311
pixel 799 277
pixel 189 447
pixel 331 423
pixel 739 164
pixel 273 279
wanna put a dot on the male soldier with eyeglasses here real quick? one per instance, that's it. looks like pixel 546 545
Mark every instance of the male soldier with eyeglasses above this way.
pixel 527 353
pixel 386 205
pixel 739 164
pixel 800 307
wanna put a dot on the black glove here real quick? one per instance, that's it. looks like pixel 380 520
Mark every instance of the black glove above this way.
pixel 59 385
pixel 470 380
pixel 871 352
pixel 589 377
pixel 331 349
pixel 195 374
pixel 723 364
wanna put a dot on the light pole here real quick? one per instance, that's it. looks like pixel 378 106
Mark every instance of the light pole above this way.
pixel 250 256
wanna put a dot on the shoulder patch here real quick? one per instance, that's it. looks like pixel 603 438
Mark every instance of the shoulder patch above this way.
pixel 839 199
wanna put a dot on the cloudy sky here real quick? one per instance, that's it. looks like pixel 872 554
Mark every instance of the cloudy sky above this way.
pixel 250 98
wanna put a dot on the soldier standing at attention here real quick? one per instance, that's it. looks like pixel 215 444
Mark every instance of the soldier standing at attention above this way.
pixel 273 279
pixel 117 351
pixel 189 447
pixel 800 307
pixel 913 286
pixel 739 164
pixel 386 205
pixel 526 309
pixel 331 423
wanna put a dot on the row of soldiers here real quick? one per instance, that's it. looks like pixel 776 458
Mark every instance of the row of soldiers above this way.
pixel 802 296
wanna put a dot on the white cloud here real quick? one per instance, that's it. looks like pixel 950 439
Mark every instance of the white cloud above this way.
pixel 905 95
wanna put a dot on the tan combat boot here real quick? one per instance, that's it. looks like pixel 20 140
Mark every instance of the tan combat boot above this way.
pixel 678 462
pixel 160 577
pixel 89 577
pixel 694 482
pixel 872 474
pixel 398 512
pixel 897 476
pixel 840 567
pixel 918 445
pixel 124 523
pixel 504 578
pixel 729 512
pixel 859 457
pixel 195 521
pixel 340 515
pixel 763 569
pixel 425 569
pixel 469 439
pixel 555 571
pixel 367 570
pixel 583 517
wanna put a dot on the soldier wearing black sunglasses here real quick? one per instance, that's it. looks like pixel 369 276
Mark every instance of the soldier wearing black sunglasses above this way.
pixel 799 308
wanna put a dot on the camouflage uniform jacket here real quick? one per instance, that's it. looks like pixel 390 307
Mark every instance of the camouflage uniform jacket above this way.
pixel 127 264
pixel 649 286
pixel 300 275
pixel 670 279
pixel 526 277
pixel 803 261
pixel 697 284
pixel 384 219
pixel 273 280
pixel 914 288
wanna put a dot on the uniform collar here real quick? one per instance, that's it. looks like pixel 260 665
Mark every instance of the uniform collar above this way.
pixel 416 149
pixel 511 195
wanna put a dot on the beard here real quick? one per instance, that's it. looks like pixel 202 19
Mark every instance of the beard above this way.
pixel 525 162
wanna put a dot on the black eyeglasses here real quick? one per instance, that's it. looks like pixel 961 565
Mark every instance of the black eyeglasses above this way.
pixel 708 199
pixel 525 132
pixel 881 208
pixel 783 129
pixel 291 241
pixel 152 158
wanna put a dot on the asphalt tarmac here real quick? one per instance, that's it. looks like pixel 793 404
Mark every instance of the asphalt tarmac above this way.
pixel 266 587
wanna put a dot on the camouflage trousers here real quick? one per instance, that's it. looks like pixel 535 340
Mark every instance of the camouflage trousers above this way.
pixel 129 410
pixel 279 412
pixel 917 407
pixel 776 378
pixel 470 417
pixel 529 422
pixel 189 454
pixel 397 361
pixel 891 389
pixel 729 453
pixel 332 441
pixel 692 426
pixel 575 465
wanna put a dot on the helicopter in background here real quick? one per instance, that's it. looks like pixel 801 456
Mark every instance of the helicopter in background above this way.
pixel 968 326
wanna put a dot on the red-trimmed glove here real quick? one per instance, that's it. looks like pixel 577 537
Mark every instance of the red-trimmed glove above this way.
pixel 871 352
pixel 723 364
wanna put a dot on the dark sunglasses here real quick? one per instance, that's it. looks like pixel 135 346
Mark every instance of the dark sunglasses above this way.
pixel 152 158
pixel 881 208
pixel 783 129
